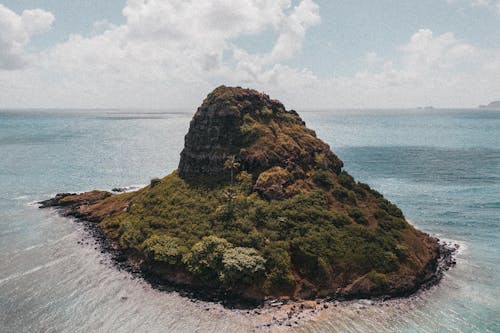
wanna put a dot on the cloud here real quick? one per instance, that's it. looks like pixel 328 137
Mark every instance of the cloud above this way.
pixel 15 33
pixel 439 70
pixel 170 53
pixel 293 29
pixel 493 5
pixel 167 47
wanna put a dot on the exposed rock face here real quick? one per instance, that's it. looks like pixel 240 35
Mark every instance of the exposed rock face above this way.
pixel 254 128
pixel 213 136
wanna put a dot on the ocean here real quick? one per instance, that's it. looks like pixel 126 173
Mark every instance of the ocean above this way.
pixel 442 167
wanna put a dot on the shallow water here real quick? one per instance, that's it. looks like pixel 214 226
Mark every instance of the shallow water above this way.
pixel 442 169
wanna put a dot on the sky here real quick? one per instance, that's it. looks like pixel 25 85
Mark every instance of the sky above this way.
pixel 310 54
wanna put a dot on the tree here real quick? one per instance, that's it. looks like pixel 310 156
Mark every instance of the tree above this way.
pixel 232 165
pixel 205 258
pixel 164 248
pixel 241 266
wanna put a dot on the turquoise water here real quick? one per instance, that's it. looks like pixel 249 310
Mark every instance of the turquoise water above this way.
pixel 441 168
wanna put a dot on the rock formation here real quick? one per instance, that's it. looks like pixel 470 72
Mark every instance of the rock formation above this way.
pixel 261 207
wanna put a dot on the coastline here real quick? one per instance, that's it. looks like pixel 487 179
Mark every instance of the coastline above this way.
pixel 276 312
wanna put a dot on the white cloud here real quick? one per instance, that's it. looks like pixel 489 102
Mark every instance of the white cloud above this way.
pixel 15 33
pixel 439 70
pixel 164 48
pixel 171 53
pixel 428 53
pixel 493 5
pixel 372 58
pixel 293 30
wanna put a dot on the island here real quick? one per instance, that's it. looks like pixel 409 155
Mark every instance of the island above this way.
pixel 492 105
pixel 261 208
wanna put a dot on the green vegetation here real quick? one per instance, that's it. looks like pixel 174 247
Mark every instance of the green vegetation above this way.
pixel 241 266
pixel 232 165
pixel 322 178
pixel 164 248
pixel 379 279
pixel 229 236
pixel 265 209
pixel 154 182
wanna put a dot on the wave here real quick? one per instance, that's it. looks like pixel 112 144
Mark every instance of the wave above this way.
pixel 33 270
pixel 126 189
pixel 21 197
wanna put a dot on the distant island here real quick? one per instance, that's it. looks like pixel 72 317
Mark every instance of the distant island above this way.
pixel 492 105
pixel 259 207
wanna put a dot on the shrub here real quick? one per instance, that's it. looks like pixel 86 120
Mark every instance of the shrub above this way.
pixel 379 279
pixel 375 193
pixel 266 112
pixel 388 222
pixel 251 130
pixel 154 182
pixel 245 182
pixel 304 258
pixel 164 248
pixel 205 257
pixel 346 180
pixel 401 252
pixel 321 161
pixel 224 212
pixel 241 265
pixel 271 183
pixel 344 196
pixel 325 271
pixel 279 278
pixel 365 250
pixel 357 215
pixel 389 207
pixel 391 262
pixel 361 189
pixel 131 237
pixel 340 220
pixel 322 178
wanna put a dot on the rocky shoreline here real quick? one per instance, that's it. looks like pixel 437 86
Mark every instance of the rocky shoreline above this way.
pixel 277 312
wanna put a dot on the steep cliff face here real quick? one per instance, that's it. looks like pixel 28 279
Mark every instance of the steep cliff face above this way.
pixel 261 207
pixel 259 131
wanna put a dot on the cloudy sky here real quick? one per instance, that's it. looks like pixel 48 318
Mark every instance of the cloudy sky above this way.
pixel 308 53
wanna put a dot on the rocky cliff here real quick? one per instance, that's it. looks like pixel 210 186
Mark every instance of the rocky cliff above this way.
pixel 260 207
pixel 256 129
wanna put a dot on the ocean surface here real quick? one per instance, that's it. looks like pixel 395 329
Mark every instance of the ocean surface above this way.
pixel 442 167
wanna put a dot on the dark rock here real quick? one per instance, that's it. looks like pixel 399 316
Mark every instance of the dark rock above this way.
pixel 215 133
pixel 55 201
